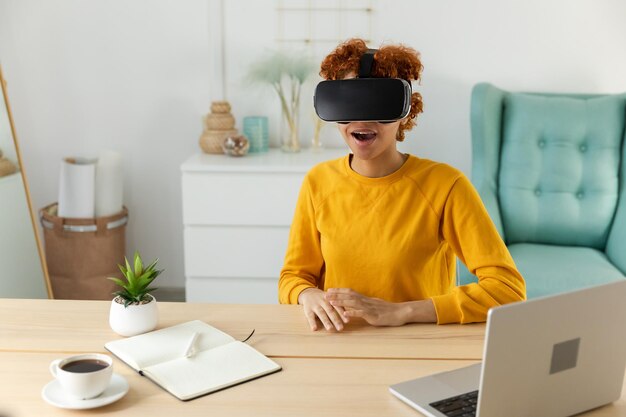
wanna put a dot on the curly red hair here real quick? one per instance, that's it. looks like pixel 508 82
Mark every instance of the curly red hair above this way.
pixel 390 61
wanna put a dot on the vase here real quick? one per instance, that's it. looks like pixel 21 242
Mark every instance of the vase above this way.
pixel 316 143
pixel 255 128
pixel 219 124
pixel 289 130
pixel 6 167
pixel 133 319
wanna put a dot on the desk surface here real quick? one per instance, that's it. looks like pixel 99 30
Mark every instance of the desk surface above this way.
pixel 330 374
pixel 280 331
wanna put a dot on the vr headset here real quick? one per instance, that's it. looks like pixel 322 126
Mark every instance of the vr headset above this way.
pixel 363 99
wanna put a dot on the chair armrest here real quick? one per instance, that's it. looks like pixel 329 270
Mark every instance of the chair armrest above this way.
pixel 486 127
pixel 616 244
pixel 486 124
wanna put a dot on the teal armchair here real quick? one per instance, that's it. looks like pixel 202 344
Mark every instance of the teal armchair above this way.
pixel 551 171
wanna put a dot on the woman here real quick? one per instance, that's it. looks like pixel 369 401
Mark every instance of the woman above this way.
pixel 375 234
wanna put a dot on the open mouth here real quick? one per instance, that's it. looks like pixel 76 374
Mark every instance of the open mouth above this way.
pixel 364 135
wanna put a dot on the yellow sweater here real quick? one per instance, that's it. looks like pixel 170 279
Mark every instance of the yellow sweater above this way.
pixel 396 237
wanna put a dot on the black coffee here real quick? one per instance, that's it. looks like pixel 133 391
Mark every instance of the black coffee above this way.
pixel 84 365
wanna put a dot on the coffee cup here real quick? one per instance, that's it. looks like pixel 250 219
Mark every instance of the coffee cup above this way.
pixel 83 376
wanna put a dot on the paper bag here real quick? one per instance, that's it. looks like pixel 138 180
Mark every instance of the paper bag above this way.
pixel 81 253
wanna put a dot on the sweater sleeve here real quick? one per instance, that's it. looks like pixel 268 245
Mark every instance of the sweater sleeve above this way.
pixel 303 264
pixel 468 229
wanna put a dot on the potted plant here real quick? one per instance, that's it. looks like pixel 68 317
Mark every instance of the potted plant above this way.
pixel 285 72
pixel 134 309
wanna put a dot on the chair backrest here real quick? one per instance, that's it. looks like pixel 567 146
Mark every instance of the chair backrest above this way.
pixel 557 177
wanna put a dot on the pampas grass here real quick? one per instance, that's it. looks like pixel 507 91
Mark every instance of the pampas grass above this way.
pixel 285 72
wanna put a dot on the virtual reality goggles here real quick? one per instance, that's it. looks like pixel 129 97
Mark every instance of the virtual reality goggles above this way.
pixel 363 99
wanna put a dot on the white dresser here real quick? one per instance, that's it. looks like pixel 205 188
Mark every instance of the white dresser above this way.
pixel 236 217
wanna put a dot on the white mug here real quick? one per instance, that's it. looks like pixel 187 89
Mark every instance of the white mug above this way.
pixel 78 377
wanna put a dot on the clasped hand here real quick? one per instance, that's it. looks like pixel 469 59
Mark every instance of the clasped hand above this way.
pixel 337 306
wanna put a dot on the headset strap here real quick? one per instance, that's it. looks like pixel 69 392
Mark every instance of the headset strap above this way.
pixel 365 65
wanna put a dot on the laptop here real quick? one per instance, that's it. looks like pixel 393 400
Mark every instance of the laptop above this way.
pixel 550 356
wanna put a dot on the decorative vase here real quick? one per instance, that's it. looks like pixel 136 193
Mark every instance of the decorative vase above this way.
pixel 285 71
pixel 219 124
pixel 211 140
pixel 256 129
pixel 6 167
pixel 134 319
pixel 290 127
pixel 220 107
pixel 316 143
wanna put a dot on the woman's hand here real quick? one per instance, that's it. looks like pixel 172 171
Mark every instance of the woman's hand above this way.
pixel 316 307
pixel 379 312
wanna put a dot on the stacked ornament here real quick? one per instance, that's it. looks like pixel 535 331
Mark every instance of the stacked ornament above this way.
pixel 6 167
pixel 218 125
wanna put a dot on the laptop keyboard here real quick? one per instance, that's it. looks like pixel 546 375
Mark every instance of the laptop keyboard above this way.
pixel 460 406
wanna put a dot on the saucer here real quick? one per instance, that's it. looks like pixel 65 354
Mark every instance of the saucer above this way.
pixel 53 394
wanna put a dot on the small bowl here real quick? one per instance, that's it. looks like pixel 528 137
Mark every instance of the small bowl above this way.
pixel 236 145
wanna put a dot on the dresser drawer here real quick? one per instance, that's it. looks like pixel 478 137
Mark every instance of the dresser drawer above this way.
pixel 235 251
pixel 215 198
pixel 232 290
pixel 236 218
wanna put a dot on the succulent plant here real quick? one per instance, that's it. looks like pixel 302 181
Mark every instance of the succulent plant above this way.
pixel 136 289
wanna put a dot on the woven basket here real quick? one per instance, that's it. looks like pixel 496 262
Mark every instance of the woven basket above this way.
pixel 211 140
pixel 220 107
pixel 219 121
pixel 7 167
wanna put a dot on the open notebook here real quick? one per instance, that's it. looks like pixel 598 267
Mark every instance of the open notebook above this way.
pixel 220 361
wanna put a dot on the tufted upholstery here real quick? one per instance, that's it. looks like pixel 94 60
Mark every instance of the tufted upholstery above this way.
pixel 561 156
pixel 550 169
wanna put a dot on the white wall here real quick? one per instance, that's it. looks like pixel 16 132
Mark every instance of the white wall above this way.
pixel 124 75
pixel 134 76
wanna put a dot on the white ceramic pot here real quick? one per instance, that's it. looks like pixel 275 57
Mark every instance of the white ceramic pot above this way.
pixel 134 319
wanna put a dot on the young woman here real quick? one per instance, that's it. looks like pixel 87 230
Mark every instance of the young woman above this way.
pixel 376 233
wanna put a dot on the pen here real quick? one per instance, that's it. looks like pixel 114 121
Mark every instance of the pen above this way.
pixel 191 348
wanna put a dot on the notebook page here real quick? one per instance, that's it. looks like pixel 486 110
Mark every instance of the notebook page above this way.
pixel 211 370
pixel 162 345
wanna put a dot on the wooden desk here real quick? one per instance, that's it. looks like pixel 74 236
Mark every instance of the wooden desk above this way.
pixel 324 374
pixel 281 331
